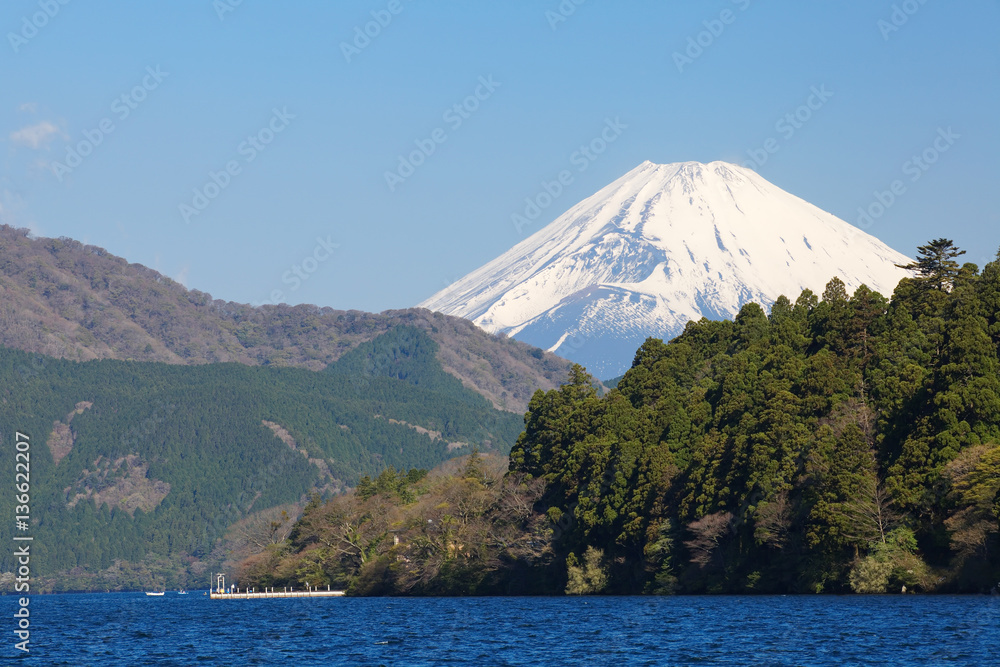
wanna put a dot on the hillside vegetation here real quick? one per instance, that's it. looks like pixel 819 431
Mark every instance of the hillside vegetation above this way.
pixel 64 299
pixel 138 470
pixel 842 443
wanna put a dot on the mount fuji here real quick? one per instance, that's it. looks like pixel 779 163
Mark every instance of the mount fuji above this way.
pixel 663 244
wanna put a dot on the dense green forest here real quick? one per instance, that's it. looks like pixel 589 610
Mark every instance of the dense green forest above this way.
pixel 840 443
pixel 144 467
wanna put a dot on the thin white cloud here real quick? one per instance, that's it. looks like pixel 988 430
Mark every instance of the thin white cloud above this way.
pixel 35 136
pixel 182 275
pixel 30 107
pixel 12 212
pixel 7 205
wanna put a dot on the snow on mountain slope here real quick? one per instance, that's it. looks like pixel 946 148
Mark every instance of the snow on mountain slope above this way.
pixel 662 245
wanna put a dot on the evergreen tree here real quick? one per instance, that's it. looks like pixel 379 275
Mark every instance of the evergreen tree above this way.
pixel 936 265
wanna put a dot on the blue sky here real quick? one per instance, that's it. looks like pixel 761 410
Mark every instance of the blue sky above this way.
pixel 242 147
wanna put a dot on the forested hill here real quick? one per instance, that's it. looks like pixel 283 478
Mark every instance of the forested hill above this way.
pixel 61 298
pixel 841 443
pixel 141 469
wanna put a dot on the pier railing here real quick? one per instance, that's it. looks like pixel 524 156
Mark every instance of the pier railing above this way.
pixel 254 594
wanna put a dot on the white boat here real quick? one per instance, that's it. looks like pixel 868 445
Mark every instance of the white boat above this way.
pixel 182 592
pixel 156 594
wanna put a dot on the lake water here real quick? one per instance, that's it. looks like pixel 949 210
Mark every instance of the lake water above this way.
pixel 132 629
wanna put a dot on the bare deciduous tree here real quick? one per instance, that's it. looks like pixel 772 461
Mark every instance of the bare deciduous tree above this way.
pixel 870 515
pixel 262 529
pixel 708 533
pixel 772 521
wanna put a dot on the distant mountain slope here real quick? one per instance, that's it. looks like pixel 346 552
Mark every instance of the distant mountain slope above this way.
pixel 405 353
pixel 661 246
pixel 61 298
pixel 130 460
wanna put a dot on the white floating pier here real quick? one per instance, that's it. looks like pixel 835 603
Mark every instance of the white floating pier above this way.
pixel 274 593
pixel 220 592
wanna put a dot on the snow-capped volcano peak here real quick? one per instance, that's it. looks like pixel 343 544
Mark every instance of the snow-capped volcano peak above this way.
pixel 663 244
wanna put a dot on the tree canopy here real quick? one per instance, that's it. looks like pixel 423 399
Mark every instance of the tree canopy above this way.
pixel 842 443
pixel 936 263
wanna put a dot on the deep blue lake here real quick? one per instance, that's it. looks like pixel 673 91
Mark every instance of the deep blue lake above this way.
pixel 132 629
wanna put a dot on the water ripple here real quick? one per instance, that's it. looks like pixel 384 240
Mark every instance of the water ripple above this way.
pixel 131 629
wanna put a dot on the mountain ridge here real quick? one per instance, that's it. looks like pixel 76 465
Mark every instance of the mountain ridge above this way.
pixel 61 298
